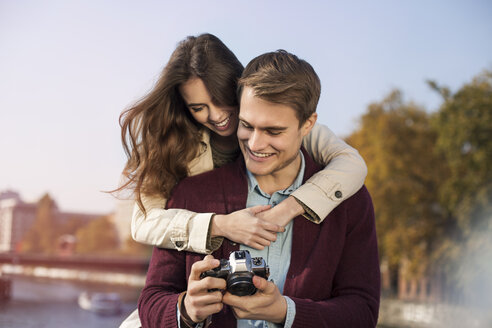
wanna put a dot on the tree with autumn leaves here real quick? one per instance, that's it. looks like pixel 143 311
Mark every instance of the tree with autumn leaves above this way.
pixel 398 143
pixel 464 123
pixel 94 237
pixel 430 178
pixel 41 236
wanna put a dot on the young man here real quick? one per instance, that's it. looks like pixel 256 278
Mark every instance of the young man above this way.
pixel 321 275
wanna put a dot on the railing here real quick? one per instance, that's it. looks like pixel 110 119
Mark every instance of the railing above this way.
pixel 103 263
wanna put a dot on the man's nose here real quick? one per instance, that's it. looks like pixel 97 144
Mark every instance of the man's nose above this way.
pixel 256 141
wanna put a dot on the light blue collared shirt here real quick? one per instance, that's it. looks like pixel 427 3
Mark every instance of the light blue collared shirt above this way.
pixel 277 255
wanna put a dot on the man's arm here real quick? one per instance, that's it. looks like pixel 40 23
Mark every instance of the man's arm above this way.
pixel 166 279
pixel 354 300
pixel 165 283
pixel 356 286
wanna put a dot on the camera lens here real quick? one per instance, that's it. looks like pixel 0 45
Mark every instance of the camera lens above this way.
pixel 240 285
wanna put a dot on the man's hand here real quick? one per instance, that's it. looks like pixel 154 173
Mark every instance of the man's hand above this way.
pixel 267 304
pixel 199 303
pixel 246 228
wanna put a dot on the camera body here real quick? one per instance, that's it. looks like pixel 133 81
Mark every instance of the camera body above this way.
pixel 238 272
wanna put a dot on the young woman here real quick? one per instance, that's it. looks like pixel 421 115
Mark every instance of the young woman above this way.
pixel 187 125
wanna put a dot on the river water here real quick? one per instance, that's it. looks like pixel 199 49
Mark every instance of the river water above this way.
pixel 39 303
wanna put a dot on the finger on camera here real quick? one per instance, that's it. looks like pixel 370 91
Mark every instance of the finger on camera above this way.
pixel 240 302
pixel 263 285
pixel 206 299
pixel 233 300
pixel 206 264
pixel 206 285
pixel 212 308
pixel 214 283
pixel 200 313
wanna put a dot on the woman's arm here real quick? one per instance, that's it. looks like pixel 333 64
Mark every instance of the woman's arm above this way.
pixel 197 232
pixel 343 175
pixel 172 228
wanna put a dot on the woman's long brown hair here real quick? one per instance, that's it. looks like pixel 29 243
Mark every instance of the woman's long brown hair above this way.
pixel 159 135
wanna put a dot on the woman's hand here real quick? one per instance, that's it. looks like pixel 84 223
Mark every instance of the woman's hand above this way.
pixel 283 213
pixel 246 228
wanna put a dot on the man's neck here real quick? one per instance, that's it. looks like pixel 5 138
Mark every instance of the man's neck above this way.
pixel 281 179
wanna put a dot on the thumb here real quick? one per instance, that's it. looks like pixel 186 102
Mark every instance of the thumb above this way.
pixel 264 286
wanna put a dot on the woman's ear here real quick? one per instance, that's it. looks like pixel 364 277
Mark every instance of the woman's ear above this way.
pixel 308 125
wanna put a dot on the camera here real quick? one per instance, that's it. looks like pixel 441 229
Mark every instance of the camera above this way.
pixel 238 272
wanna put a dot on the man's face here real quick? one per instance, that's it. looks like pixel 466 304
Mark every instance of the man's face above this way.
pixel 269 136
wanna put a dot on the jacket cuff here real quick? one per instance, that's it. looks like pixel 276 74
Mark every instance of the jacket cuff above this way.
pixel 185 320
pixel 319 200
pixel 214 243
pixel 198 228
pixel 306 314
pixel 308 213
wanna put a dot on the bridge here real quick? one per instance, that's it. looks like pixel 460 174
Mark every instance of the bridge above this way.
pixel 82 262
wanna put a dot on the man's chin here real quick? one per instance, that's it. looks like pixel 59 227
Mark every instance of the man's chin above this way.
pixel 258 170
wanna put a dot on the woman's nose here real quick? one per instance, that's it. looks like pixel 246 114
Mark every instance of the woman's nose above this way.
pixel 214 114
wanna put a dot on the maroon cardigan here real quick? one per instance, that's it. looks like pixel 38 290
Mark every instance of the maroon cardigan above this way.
pixel 333 277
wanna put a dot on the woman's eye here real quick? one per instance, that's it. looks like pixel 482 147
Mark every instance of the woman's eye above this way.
pixel 196 109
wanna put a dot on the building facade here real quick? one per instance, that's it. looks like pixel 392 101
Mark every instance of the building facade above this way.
pixel 17 217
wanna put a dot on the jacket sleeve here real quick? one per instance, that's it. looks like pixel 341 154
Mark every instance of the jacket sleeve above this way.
pixel 166 280
pixel 172 228
pixel 343 175
pixel 356 286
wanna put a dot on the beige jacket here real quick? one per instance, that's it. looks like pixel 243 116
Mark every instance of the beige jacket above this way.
pixel 181 229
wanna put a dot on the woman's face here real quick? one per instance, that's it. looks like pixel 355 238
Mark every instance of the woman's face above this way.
pixel 222 120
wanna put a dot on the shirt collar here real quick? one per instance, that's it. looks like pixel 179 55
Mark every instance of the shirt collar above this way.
pixel 254 187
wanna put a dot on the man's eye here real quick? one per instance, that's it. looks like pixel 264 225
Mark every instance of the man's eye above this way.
pixel 245 125
pixel 273 133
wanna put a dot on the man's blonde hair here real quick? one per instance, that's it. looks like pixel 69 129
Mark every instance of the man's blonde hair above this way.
pixel 281 77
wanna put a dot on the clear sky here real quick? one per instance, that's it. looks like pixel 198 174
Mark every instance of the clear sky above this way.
pixel 68 68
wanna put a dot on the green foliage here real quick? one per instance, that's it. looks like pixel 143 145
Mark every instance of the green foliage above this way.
pixel 464 126
pixel 98 236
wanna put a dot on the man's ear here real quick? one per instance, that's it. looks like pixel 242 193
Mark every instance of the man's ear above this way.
pixel 308 125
